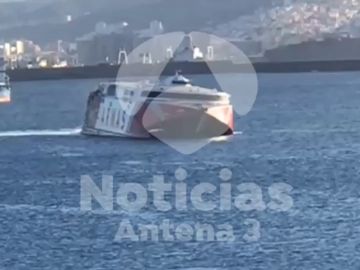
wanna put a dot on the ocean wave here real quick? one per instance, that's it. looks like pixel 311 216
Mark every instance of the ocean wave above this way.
pixel 44 132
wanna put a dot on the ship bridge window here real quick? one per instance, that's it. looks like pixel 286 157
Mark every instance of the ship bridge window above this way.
pixel 111 91
pixel 100 88
pixel 180 96
pixel 129 93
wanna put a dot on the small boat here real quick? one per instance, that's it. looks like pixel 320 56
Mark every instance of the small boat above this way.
pixel 169 108
pixel 5 89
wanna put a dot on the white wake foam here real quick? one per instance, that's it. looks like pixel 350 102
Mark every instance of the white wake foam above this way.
pixel 44 132
pixel 70 132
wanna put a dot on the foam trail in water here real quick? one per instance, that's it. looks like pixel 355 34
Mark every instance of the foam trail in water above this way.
pixel 224 138
pixel 68 132
pixel 45 132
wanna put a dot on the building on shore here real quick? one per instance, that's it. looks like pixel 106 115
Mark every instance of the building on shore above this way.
pixel 19 53
pixel 109 43
pixel 104 44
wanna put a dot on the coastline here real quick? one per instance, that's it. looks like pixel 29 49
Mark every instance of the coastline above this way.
pixel 111 71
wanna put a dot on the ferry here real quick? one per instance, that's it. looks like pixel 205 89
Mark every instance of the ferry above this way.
pixel 172 108
pixel 5 89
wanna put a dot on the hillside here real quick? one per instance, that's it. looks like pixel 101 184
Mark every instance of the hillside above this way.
pixel 45 20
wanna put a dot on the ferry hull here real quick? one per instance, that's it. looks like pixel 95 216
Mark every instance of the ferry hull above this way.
pixel 164 121
pixel 172 108
pixel 188 122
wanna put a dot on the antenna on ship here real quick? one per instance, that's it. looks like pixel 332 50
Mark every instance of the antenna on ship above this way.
pixel 210 53
pixel 147 59
pixel 169 53
pixel 123 57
